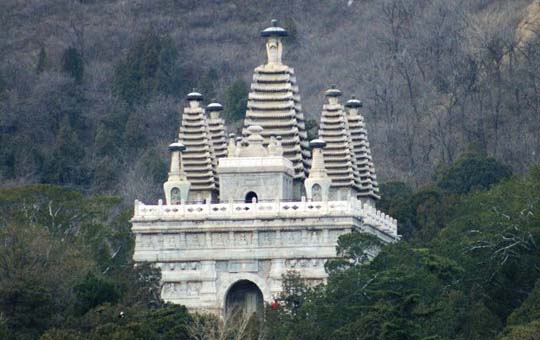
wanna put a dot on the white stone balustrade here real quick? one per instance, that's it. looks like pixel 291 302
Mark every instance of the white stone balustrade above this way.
pixel 369 214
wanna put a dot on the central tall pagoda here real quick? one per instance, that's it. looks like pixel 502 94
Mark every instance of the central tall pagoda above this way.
pixel 240 213
pixel 274 104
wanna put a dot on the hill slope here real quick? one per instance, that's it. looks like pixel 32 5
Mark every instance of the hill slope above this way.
pixel 91 91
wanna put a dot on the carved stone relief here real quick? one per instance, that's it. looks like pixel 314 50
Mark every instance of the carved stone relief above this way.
pixel 291 237
pixel 267 238
pixel 220 239
pixel 180 266
pixel 178 289
pixel 304 263
pixel 314 236
pixel 243 239
pixel 195 240
pixel 243 266
pixel 193 288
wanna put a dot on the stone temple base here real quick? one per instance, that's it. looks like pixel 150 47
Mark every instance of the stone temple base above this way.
pixel 204 250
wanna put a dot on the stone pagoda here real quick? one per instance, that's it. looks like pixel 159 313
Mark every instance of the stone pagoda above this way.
pixel 274 104
pixel 240 212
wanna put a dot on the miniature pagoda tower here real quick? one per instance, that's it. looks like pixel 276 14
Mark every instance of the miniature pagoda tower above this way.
pixel 241 212
pixel 369 188
pixel 338 153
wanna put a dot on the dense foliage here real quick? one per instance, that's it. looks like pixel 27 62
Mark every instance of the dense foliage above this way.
pixel 468 269
pixel 66 271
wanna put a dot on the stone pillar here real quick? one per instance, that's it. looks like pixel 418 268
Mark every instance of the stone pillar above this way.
pixel 231 146
pixel 277 269
pixel 177 186
pixel 318 183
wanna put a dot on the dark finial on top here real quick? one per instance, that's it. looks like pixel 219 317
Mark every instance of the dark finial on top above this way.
pixel 354 103
pixel 333 92
pixel 274 30
pixel 317 144
pixel 214 106
pixel 177 146
pixel 195 96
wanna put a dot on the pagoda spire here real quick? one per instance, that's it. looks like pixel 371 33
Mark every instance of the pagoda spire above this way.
pixel 216 130
pixel 274 104
pixel 368 179
pixel 198 156
pixel 338 154
pixel 274 45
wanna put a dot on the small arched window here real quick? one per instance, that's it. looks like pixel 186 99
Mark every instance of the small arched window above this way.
pixel 250 196
pixel 316 193
pixel 176 198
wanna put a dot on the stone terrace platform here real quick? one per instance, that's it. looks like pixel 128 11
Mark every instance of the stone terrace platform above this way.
pixel 375 220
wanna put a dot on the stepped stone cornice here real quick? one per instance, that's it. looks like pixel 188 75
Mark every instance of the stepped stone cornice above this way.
pixel 361 150
pixel 199 163
pixel 216 133
pixel 339 157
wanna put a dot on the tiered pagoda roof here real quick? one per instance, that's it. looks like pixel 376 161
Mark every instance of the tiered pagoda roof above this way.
pixel 361 150
pixel 198 156
pixel 274 104
pixel 216 130
pixel 339 158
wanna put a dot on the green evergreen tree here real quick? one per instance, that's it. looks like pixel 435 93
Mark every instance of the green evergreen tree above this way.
pixel 472 172
pixel 108 139
pixel 134 136
pixel 42 60
pixel 64 167
pixel 207 83
pixel 311 129
pixel 530 331
pixel 236 97
pixel 73 64
pixel 94 291
pixel 150 66
pixel 3 85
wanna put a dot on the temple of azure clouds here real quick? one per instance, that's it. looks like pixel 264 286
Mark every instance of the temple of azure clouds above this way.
pixel 239 212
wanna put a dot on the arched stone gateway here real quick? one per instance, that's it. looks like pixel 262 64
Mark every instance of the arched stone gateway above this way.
pixel 244 297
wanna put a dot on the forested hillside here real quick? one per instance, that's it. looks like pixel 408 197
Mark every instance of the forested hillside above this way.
pixel 91 91
pixel 468 267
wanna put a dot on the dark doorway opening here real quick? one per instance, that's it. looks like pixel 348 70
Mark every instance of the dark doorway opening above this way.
pixel 244 299
pixel 250 196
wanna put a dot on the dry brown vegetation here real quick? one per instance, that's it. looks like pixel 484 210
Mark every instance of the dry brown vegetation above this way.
pixel 437 78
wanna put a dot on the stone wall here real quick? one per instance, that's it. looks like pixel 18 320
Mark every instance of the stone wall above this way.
pixel 204 249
